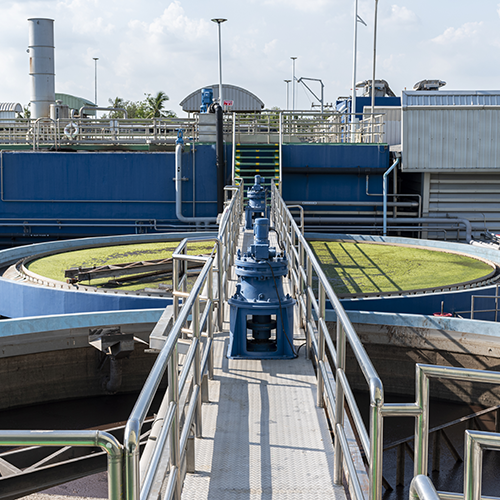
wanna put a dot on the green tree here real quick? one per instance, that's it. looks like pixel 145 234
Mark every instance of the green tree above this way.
pixel 117 102
pixel 155 104
pixel 26 113
pixel 151 107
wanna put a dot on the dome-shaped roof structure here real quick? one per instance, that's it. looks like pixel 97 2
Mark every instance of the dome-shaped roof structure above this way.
pixel 12 107
pixel 243 100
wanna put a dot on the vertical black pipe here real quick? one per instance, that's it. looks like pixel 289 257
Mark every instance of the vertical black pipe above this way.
pixel 219 149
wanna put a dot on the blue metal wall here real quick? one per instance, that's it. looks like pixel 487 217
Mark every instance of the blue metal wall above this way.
pixel 333 172
pixel 49 195
pixel 107 187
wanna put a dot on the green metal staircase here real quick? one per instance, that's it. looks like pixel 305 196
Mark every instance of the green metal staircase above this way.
pixel 256 159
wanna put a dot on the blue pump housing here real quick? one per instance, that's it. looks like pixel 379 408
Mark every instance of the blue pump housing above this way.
pixel 261 316
pixel 256 202
pixel 207 96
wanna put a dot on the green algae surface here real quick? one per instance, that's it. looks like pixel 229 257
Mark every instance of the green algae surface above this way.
pixel 53 266
pixel 354 268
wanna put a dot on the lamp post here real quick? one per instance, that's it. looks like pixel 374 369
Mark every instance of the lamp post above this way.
pixel 219 21
pixel 95 82
pixel 293 82
pixel 357 20
pixel 287 100
pixel 374 57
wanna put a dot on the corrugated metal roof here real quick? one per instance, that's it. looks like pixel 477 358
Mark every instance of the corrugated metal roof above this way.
pixel 243 99
pixel 451 98
pixel 13 107
pixel 75 102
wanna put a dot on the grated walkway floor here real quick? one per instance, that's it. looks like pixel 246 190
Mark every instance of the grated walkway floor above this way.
pixel 263 436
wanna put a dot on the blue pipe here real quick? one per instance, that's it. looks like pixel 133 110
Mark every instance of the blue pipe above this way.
pixel 384 192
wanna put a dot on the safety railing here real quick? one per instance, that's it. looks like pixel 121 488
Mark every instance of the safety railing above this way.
pixel 334 389
pixel 474 310
pixel 228 235
pixel 85 438
pixel 320 346
pixel 273 127
pixel 45 132
pixel 143 480
pixel 195 303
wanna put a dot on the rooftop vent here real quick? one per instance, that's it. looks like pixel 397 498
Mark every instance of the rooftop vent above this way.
pixel 429 85
pixel 382 88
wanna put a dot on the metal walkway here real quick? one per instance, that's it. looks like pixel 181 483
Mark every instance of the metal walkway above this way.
pixel 263 435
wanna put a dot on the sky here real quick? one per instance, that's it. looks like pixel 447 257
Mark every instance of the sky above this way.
pixel 171 45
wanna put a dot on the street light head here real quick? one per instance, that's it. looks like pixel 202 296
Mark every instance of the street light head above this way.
pixel 219 20
pixel 293 58
pixel 95 58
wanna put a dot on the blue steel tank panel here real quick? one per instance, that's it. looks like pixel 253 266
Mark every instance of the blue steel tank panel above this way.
pixel 107 187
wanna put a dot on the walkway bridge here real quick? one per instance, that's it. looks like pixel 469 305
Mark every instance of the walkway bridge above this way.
pixel 231 428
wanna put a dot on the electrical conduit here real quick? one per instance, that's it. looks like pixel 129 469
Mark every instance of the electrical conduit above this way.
pixel 384 192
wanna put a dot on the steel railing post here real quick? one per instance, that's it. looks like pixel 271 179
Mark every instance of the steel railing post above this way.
pixel 421 423
pixel 321 346
pixel 175 286
pixel 220 287
pixel 197 364
pixel 339 400
pixel 309 274
pixel 210 322
pixel 376 451
pixel 173 393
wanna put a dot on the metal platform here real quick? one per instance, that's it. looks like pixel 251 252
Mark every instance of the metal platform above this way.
pixel 263 435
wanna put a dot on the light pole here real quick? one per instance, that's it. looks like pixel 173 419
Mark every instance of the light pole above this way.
pixel 95 82
pixel 287 100
pixel 293 82
pixel 357 20
pixel 219 21
pixel 374 57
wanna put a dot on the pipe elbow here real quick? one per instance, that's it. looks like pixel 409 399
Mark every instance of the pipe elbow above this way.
pixel 376 389
pixel 132 436
pixel 109 444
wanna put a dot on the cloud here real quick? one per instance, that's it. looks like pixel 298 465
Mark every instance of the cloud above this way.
pixel 402 17
pixel 301 5
pixel 453 35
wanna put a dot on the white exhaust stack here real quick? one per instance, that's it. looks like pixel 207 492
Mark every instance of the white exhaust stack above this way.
pixel 41 52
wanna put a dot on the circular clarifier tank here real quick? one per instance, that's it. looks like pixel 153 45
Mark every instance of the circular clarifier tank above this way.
pixel 135 267
pixel 356 268
pixel 35 279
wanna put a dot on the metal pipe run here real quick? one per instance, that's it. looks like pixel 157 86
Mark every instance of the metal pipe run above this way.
pixel 397 220
pixel 96 108
pixel 384 191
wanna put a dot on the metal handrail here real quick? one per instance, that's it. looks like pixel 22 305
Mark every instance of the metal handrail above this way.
pixel 277 126
pixel 422 488
pixel 312 313
pixel 496 297
pixel 88 131
pixel 168 356
pixel 100 439
pixel 302 264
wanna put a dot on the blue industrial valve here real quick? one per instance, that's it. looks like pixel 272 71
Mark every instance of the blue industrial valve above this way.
pixel 261 316
pixel 256 201
pixel 207 96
